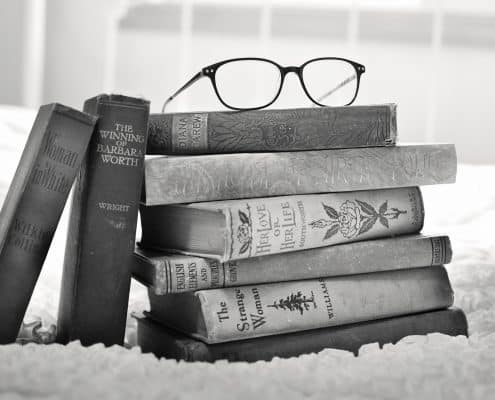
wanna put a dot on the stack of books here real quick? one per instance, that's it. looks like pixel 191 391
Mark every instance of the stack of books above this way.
pixel 276 233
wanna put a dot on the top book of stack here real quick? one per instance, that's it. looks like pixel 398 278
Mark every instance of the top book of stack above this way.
pixel 313 128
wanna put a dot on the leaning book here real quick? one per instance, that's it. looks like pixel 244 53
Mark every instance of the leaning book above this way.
pixel 48 166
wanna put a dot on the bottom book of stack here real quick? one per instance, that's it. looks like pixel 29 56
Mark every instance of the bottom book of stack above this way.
pixel 156 338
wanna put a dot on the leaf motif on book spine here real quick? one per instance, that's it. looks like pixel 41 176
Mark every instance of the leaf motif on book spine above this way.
pixel 332 231
pixel 244 232
pixel 366 208
pixel 367 224
pixel 243 217
pixel 331 212
pixel 383 207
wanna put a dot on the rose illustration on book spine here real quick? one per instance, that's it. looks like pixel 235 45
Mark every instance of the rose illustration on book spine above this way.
pixel 295 302
pixel 244 232
pixel 355 218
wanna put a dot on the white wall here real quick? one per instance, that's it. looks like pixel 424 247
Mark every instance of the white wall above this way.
pixel 12 41
pixel 434 58
pixel 76 48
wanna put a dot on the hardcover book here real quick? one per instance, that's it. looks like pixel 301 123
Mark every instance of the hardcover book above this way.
pixel 175 179
pixel 228 314
pixel 272 130
pixel 172 273
pixel 100 243
pixel 236 229
pixel 155 338
pixel 48 166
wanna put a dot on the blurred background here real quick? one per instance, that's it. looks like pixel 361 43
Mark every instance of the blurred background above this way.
pixel 434 58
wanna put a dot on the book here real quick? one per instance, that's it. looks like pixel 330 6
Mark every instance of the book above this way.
pixel 102 226
pixel 235 229
pixel 155 338
pixel 228 314
pixel 34 203
pixel 172 273
pixel 176 179
pixel 272 130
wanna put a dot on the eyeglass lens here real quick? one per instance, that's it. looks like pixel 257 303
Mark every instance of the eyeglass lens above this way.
pixel 330 82
pixel 247 83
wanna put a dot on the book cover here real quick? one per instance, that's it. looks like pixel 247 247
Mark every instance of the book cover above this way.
pixel 173 273
pixel 272 130
pixel 102 226
pixel 237 229
pixel 228 314
pixel 175 179
pixel 30 213
pixel 155 338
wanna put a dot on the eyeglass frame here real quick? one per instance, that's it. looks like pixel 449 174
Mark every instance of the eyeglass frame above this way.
pixel 210 72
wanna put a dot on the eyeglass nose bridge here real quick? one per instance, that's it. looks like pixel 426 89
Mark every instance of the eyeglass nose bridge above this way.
pixel 286 70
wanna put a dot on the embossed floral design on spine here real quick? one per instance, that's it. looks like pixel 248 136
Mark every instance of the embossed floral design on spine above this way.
pixel 244 232
pixel 355 218
pixel 295 302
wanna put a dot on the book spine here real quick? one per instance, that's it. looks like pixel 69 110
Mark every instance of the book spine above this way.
pixel 272 130
pixel 270 309
pixel 173 180
pixel 153 337
pixel 100 243
pixel 34 204
pixel 177 274
pixel 275 225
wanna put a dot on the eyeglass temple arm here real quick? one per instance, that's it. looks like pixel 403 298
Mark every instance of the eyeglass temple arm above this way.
pixel 341 84
pixel 196 77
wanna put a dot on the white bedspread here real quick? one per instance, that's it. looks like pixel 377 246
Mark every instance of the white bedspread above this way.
pixel 436 366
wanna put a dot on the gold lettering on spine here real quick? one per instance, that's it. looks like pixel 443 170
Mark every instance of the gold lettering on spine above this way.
pixel 48 172
pixel 190 133
pixel 27 236
pixel 56 152
pixel 49 177
pixel 116 146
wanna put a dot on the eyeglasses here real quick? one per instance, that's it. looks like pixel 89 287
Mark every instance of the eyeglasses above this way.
pixel 253 83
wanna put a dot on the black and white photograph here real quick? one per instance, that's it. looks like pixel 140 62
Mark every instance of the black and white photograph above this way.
pixel 232 199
